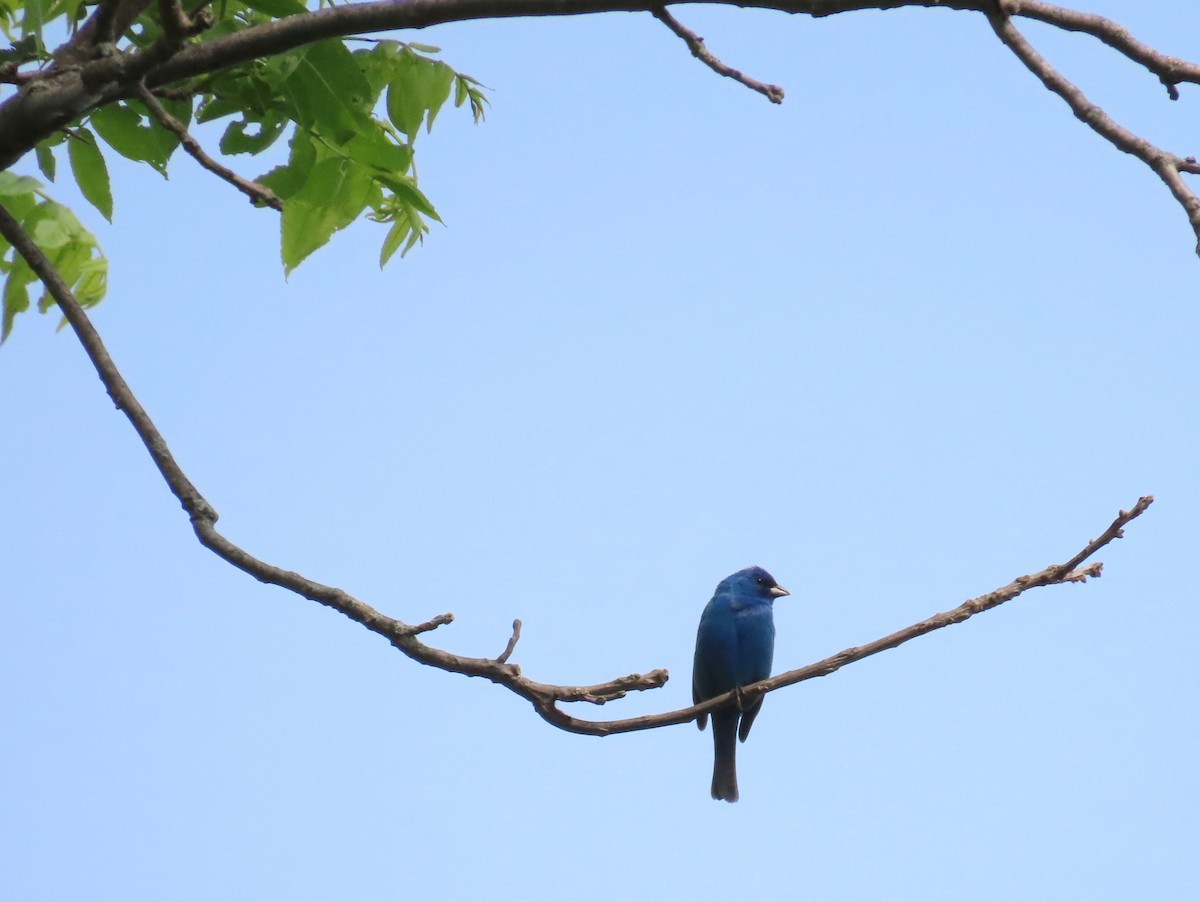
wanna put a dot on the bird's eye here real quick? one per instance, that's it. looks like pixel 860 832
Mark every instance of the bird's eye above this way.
pixel 760 580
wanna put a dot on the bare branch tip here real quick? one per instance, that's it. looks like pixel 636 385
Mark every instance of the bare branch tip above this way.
pixel 512 643
pixel 431 624
pixel 696 45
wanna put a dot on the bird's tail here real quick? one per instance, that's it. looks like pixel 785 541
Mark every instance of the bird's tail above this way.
pixel 724 781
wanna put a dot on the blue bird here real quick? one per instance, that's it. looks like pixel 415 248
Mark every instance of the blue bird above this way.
pixel 734 647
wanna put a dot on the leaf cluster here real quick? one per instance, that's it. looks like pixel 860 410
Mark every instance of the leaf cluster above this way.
pixel 69 247
pixel 343 158
pixel 349 119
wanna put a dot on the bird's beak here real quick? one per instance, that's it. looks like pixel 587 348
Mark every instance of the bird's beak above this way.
pixel 778 591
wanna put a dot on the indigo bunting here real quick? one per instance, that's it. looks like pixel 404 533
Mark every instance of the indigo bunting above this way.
pixel 734 647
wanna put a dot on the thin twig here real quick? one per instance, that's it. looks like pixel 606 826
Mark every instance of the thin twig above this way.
pixel 432 623
pixel 1116 530
pixel 696 44
pixel 257 193
pixel 512 643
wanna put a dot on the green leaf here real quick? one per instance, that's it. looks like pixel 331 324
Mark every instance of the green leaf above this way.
pixel 377 65
pixel 121 127
pixel 49 228
pixel 93 282
pixel 216 107
pixel 439 90
pixel 332 197
pixel 374 149
pixel 15 185
pixel 467 88
pixel 420 86
pixel 407 192
pixel 71 8
pixel 408 225
pixel 87 165
pixel 237 138
pixel 70 248
pixel 288 179
pixel 404 107
pixel 35 17
pixel 19 193
pixel 396 234
pixel 328 90
pixel 16 297
pixel 46 162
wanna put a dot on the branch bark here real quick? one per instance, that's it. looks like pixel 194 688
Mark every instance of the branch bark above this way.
pixel 89 73
pixel 544 697
pixel 1166 165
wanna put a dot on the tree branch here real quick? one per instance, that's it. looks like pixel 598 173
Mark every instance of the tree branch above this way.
pixel 204 517
pixel 544 697
pixel 1055 574
pixel 695 43
pixel 257 193
pixel 89 73
pixel 1168 166
pixel 1171 70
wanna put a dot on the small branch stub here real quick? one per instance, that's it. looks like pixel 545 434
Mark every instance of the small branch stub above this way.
pixel 512 643
pixel 431 624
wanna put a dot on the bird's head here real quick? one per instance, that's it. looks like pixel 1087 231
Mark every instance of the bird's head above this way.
pixel 753 581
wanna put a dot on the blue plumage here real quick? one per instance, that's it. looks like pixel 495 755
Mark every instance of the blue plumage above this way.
pixel 734 647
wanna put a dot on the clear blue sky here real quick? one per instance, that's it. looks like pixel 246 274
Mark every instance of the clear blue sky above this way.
pixel 910 335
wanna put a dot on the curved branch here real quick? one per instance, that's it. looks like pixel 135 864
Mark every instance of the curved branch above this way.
pixel 1055 574
pixel 204 517
pixel 1167 165
pixel 544 697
